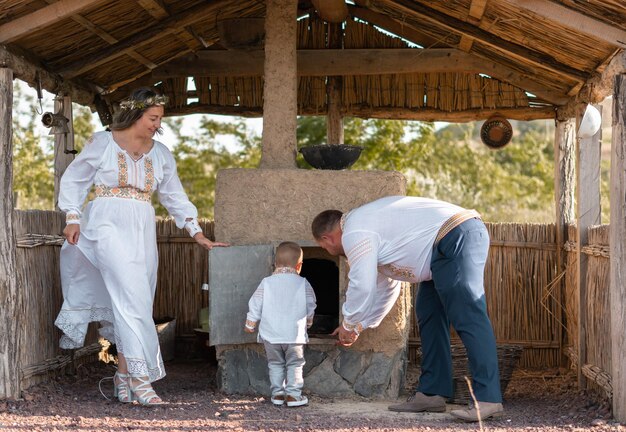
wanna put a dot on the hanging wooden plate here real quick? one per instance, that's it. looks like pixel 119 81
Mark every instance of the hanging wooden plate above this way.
pixel 496 132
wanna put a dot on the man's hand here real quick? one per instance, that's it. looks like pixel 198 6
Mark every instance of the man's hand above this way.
pixel 248 330
pixel 345 337
pixel 71 233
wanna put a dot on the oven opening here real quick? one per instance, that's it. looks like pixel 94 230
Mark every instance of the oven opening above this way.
pixel 322 271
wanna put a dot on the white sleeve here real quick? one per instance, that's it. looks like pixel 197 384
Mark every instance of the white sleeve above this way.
pixel 387 291
pixel 311 303
pixel 255 307
pixel 79 176
pixel 361 249
pixel 172 195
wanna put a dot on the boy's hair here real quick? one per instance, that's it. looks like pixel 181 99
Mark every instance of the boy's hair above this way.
pixel 325 222
pixel 288 254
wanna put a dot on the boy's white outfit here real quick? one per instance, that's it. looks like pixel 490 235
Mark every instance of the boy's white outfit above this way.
pixel 284 303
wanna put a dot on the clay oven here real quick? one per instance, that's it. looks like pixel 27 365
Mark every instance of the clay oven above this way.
pixel 255 209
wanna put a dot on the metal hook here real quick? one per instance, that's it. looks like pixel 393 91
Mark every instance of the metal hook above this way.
pixel 39 93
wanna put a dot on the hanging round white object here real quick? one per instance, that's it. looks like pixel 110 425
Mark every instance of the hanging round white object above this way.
pixel 590 123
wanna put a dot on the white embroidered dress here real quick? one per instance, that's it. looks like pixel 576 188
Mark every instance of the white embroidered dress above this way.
pixel 110 275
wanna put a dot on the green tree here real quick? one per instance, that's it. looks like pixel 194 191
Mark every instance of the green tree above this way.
pixel 33 180
pixel 200 156
pixel 513 183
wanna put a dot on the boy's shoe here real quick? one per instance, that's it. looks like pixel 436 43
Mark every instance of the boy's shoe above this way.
pixel 278 399
pixel 294 401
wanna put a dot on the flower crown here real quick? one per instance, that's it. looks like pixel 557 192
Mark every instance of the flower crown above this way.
pixel 132 104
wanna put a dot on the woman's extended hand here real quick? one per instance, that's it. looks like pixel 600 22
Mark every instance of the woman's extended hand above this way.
pixel 206 243
pixel 71 233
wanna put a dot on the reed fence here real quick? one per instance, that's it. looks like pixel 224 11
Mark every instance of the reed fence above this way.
pixel 596 365
pixel 37 256
pixel 530 304
pixel 183 268
pixel 523 293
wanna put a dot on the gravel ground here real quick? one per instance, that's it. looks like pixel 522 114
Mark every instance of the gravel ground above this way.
pixel 547 401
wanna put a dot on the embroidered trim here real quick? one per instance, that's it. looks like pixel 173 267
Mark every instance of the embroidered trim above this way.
pixel 285 270
pixel 72 218
pixel 251 324
pixel 149 169
pixel 73 323
pixel 128 192
pixel 404 272
pixel 193 227
pixel 357 328
pixel 455 221
pixel 139 368
pixel 123 170
pixel 359 250
pixel 342 221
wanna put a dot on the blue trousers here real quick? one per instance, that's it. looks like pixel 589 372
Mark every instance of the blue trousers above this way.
pixel 456 295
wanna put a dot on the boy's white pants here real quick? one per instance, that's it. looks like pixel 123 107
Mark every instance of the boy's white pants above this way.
pixel 285 363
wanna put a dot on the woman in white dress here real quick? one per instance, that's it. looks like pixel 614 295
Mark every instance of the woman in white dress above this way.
pixel 109 261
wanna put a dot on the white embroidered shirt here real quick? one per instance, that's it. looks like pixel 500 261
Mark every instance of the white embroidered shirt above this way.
pixel 386 241
pixel 284 303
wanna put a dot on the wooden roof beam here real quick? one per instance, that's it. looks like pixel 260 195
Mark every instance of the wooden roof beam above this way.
pixel 396 27
pixel 411 34
pixel 419 114
pixel 512 49
pixel 27 71
pixel 574 20
pixel 144 36
pixel 330 62
pixel 43 17
pixel 107 37
pixel 159 11
pixel 476 12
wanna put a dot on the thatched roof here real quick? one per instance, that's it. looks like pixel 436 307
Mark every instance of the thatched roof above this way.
pixel 432 60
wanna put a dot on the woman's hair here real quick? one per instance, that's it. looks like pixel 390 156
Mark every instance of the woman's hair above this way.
pixel 325 222
pixel 133 107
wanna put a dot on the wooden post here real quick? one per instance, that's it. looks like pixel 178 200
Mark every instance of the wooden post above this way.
pixel 588 214
pixel 334 118
pixel 10 299
pixel 280 90
pixel 62 105
pixel 564 191
pixel 618 249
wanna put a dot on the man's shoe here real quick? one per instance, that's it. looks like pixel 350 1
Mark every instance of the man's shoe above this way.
pixel 487 410
pixel 278 399
pixel 419 402
pixel 295 401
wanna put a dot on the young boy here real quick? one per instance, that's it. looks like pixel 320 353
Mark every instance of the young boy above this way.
pixel 284 303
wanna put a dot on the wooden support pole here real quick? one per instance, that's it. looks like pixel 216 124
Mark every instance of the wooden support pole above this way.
pixel 63 106
pixel 10 299
pixel 588 214
pixel 280 90
pixel 564 191
pixel 618 250
pixel 334 118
